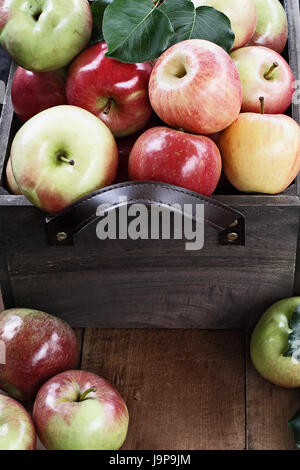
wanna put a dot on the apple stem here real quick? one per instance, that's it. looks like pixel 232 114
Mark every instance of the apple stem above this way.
pixel 108 106
pixel 64 159
pixel 83 396
pixel 268 73
pixel 262 105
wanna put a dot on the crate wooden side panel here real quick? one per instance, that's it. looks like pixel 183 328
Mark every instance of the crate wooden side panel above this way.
pixel 183 389
pixel 153 283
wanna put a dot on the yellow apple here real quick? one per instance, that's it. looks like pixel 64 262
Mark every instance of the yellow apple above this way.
pixel 261 152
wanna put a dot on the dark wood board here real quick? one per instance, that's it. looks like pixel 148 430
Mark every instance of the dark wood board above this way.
pixel 155 283
pixel 189 389
pixel 124 284
pixel 184 389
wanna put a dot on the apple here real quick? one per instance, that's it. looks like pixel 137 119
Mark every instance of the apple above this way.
pixel 171 156
pixel 242 15
pixel 44 35
pixel 261 152
pixel 196 87
pixel 78 410
pixel 264 73
pixel 270 343
pixel 17 431
pixel 37 346
pixel 11 181
pixel 33 92
pixel 272 26
pixel 62 154
pixel 117 93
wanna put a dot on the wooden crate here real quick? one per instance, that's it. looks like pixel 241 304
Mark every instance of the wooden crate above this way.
pixel 152 283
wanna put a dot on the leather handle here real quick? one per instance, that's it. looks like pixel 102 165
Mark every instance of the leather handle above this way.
pixel 62 227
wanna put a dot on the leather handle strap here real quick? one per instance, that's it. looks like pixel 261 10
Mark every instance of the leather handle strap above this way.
pixel 62 227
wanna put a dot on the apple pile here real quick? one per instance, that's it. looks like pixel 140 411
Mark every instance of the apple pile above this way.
pixel 91 120
pixel 73 409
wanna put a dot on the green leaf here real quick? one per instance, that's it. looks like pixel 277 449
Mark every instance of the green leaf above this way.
pixel 294 424
pixel 293 349
pixel 213 26
pixel 200 23
pixel 182 14
pixel 98 8
pixel 136 31
pixel 141 30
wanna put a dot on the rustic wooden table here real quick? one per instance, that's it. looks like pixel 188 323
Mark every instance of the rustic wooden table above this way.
pixel 190 389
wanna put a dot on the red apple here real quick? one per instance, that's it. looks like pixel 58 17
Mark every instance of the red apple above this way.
pixel 114 91
pixel 37 346
pixel 78 410
pixel 171 156
pixel 264 72
pixel 10 180
pixel 33 92
pixel 195 86
pixel 17 431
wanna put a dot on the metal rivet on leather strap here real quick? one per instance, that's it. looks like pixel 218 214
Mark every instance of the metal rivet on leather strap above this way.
pixel 232 236
pixel 61 236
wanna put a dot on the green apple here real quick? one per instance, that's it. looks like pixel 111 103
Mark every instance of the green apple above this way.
pixel 242 15
pixel 272 26
pixel 62 154
pixel 275 343
pixel 17 431
pixel 44 35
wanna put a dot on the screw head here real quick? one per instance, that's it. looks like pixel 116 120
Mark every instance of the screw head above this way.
pixel 232 236
pixel 61 236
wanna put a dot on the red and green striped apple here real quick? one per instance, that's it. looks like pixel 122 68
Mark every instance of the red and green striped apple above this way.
pixel 78 410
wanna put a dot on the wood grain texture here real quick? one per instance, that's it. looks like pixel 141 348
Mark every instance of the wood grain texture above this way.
pixel 184 389
pixel 269 409
pixel 154 283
